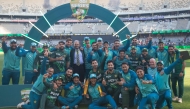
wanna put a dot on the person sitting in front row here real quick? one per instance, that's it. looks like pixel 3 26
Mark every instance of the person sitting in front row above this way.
pixel 98 96
pixel 73 94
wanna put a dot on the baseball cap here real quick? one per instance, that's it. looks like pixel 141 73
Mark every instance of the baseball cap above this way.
pixel 46 45
pixel 59 77
pixel 13 41
pixel 145 49
pixel 160 62
pixel 106 42
pixel 133 47
pixel 92 76
pixel 140 67
pixel 86 38
pixel 33 44
pixel 99 39
pixel 75 75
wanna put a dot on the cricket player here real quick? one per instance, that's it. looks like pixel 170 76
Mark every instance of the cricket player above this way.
pixel 53 91
pixel 60 59
pixel 177 74
pixel 30 55
pixel 128 78
pixel 38 88
pixel 98 95
pixel 11 64
pixel 161 80
pixel 73 93
pixel 146 88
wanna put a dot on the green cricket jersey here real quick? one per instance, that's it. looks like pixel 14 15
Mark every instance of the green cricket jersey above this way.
pixel 59 66
pixel 112 78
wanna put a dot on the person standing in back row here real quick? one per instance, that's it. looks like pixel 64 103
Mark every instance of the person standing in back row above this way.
pixel 30 55
pixel 77 62
pixel 11 65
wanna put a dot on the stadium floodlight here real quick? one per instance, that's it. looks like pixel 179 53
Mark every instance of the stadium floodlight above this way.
pixel 31 39
pixel 113 20
pixel 121 29
pixel 127 39
pixel 38 29
pixel 47 20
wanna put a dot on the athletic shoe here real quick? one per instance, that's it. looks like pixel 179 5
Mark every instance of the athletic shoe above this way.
pixel 76 106
pixel 63 107
pixel 175 99
pixel 179 100
pixel 20 105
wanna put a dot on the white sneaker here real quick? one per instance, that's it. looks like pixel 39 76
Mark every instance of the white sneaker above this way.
pixel 175 99
pixel 20 105
pixel 179 100
pixel 76 106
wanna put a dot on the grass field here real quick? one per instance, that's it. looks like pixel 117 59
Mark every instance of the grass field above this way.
pixel 186 97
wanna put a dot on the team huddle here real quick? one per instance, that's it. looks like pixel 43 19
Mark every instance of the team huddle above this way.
pixel 118 77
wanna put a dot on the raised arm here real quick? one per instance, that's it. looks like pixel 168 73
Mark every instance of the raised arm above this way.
pixel 21 52
pixel 171 67
pixel 43 66
pixel 127 45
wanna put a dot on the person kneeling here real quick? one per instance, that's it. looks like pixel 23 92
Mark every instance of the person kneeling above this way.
pixel 53 91
pixel 73 93
pixel 98 97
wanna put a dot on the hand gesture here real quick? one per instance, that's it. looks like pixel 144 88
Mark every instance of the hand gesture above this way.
pixel 120 83
pixel 46 75
pixel 35 70
pixel 149 38
pixel 55 86
pixel 59 58
pixel 136 89
pixel 46 53
pixel 21 45
pixel 144 82
pixel 4 39
pixel 81 48
pixel 103 93
pixel 181 57
pixel 57 46
pixel 126 88
pixel 162 72
pixel 180 74
pixel 87 96
pixel 104 82
pixel 114 58
pixel 127 57
pixel 71 87
pixel 91 52
pixel 143 61
pixel 128 36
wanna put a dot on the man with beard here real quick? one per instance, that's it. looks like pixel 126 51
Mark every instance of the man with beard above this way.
pixel 161 79
pixel 38 88
pixel 95 53
pixel 98 95
pixel 145 58
pixel 77 62
pixel 138 47
pixel 146 89
pixel 110 54
pixel 177 74
pixel 117 46
pixel 118 60
pixel 111 77
pixel 162 54
pixel 68 46
pixel 39 58
pixel 73 93
pixel 87 49
pixel 60 59
pixel 11 65
pixel 30 55
pixel 128 78
pixel 134 58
